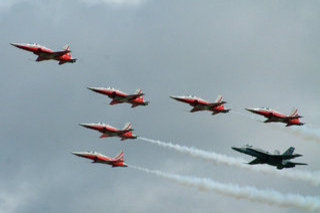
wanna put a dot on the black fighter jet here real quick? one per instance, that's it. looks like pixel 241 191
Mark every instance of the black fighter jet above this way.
pixel 262 157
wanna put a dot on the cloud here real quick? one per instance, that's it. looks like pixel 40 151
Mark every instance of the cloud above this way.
pixel 115 2
pixel 7 4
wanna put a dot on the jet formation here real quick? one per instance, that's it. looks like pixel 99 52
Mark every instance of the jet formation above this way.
pixel 278 160
pixel 263 157
pixel 45 53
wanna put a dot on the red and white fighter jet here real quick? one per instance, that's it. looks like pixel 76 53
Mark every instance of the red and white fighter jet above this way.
pixel 117 161
pixel 199 104
pixel 274 116
pixel 109 131
pixel 119 97
pixel 45 53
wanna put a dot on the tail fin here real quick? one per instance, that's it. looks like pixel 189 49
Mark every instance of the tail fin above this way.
pixel 127 126
pixel 138 91
pixel 66 47
pixel 219 99
pixel 140 98
pixel 289 151
pixel 294 113
pixel 119 156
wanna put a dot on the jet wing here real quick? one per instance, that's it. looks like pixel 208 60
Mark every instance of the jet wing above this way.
pixel 41 59
pixel 256 161
pixel 276 157
pixel 134 96
pixel 125 131
pixel 214 104
pixel 60 53
pixel 128 97
pixel 104 135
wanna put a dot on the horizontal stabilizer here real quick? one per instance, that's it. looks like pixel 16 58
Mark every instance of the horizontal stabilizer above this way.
pixel 217 104
pixel 300 164
pixel 60 53
pixel 134 96
pixel 137 104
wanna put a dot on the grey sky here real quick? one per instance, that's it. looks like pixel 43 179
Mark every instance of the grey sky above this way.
pixel 254 53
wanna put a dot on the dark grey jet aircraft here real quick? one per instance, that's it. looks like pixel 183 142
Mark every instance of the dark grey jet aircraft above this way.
pixel 262 157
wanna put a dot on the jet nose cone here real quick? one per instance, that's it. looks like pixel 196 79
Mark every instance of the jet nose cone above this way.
pixel 16 44
pixel 237 149
pixel 251 109
pixel 134 136
pixel 85 124
pixel 93 88
pixel 125 165
pixel 76 153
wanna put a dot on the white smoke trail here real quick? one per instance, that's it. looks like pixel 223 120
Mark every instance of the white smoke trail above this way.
pixel 309 177
pixel 305 132
pixel 270 197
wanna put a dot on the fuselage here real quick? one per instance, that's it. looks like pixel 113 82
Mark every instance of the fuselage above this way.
pixel 110 131
pixel 45 53
pixel 274 116
pixel 100 158
pixel 200 104
pixel 119 96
